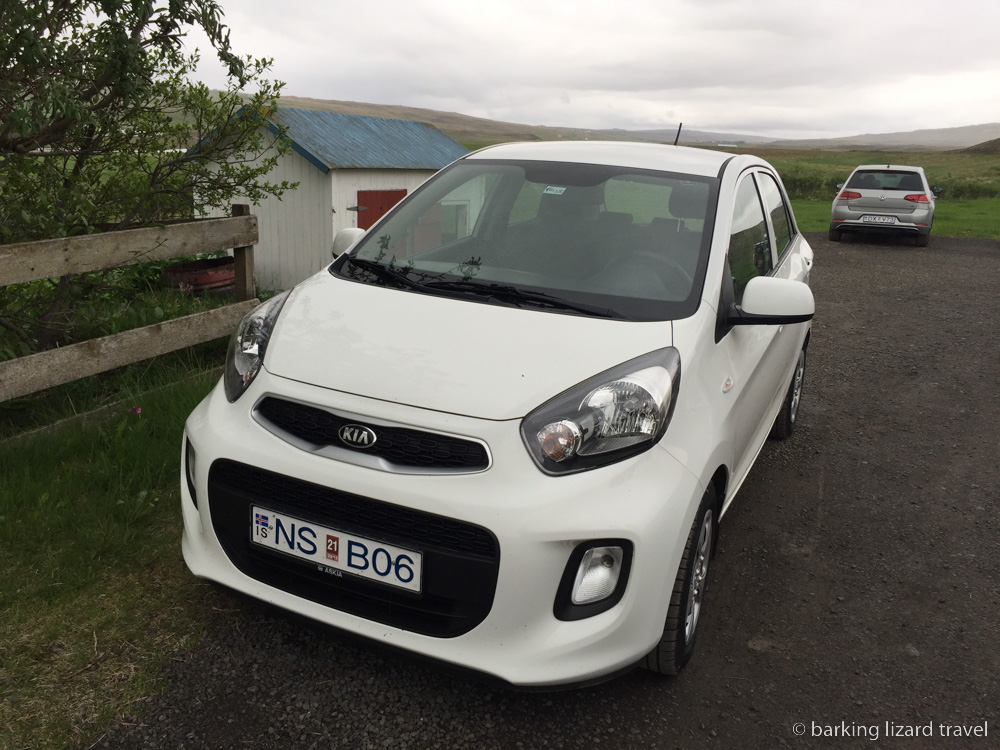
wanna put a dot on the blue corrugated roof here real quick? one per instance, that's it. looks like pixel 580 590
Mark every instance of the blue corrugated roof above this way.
pixel 333 140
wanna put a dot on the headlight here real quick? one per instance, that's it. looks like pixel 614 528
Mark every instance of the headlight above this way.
pixel 248 345
pixel 615 415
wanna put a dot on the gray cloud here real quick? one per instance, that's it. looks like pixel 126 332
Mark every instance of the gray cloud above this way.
pixel 771 67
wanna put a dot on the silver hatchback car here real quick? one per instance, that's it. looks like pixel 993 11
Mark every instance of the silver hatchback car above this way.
pixel 885 198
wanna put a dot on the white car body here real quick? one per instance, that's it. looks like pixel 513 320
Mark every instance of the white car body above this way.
pixel 383 356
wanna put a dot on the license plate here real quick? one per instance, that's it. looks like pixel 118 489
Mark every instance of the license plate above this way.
pixel 879 219
pixel 335 552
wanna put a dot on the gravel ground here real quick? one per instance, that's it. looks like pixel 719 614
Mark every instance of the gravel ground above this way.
pixel 856 588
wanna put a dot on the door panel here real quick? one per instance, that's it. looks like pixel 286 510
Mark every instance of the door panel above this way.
pixel 755 368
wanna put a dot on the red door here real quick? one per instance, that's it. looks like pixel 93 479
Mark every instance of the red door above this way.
pixel 373 205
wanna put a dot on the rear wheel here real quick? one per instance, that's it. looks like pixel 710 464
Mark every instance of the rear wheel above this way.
pixel 923 240
pixel 784 425
pixel 688 596
pixel 834 235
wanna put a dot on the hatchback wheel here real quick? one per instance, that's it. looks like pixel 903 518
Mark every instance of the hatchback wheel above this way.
pixel 688 596
pixel 784 425
pixel 834 235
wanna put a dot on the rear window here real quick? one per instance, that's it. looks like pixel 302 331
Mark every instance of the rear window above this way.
pixel 885 179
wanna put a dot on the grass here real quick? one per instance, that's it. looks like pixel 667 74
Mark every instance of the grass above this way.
pixel 815 174
pixel 952 218
pixel 94 597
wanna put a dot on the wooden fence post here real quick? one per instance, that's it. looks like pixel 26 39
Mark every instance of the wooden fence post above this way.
pixel 243 261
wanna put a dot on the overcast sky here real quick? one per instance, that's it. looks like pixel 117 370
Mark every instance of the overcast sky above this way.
pixel 783 68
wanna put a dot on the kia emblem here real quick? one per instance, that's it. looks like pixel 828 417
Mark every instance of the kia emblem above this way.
pixel 356 436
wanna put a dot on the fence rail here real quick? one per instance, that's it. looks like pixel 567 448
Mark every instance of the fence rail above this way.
pixel 50 258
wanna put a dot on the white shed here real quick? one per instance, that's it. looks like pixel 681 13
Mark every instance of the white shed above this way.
pixel 351 170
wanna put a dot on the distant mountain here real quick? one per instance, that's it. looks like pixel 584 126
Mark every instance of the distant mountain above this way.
pixel 477 131
pixel 940 139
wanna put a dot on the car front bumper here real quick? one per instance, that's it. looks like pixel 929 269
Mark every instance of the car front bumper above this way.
pixel 536 520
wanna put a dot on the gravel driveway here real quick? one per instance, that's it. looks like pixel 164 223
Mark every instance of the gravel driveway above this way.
pixel 856 590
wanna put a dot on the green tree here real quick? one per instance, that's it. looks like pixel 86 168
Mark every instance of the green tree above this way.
pixel 102 127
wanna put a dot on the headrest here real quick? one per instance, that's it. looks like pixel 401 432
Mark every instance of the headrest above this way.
pixel 689 200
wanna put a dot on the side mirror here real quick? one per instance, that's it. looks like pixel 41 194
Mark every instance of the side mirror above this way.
pixel 840 186
pixel 345 239
pixel 937 190
pixel 772 301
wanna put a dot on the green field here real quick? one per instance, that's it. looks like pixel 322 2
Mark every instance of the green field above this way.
pixel 815 174
pixel 969 205
pixel 963 218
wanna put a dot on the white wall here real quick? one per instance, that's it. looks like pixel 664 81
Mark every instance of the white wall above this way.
pixel 295 231
pixel 347 182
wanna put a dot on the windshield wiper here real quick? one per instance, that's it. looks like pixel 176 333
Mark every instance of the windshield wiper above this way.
pixel 517 296
pixel 389 274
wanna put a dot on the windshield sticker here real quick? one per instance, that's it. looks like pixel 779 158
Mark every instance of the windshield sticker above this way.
pixel 551 190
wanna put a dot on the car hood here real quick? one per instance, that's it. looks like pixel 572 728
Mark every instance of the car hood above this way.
pixel 469 358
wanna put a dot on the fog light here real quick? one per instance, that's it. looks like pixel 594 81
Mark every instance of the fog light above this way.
pixel 189 461
pixel 597 576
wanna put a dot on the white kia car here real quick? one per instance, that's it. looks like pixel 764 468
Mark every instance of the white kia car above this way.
pixel 501 429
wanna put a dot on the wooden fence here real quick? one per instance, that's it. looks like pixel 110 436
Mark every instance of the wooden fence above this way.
pixel 31 261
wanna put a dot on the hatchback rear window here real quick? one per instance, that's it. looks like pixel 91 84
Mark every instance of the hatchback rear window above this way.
pixel 885 179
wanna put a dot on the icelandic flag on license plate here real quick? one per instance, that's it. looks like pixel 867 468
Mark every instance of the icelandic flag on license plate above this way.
pixel 260 519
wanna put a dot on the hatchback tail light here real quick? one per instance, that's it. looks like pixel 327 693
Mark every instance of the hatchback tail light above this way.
pixel 917 198
pixel 849 195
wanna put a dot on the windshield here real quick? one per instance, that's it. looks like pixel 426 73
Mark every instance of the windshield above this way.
pixel 577 239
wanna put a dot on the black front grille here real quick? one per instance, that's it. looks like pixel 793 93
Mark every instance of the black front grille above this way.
pixel 397 445
pixel 460 561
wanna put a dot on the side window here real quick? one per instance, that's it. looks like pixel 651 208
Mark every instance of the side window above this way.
pixel 771 194
pixel 749 245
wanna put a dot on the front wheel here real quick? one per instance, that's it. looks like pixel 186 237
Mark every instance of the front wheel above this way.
pixel 688 596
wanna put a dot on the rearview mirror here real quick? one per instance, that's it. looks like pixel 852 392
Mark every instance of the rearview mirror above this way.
pixel 345 239
pixel 772 301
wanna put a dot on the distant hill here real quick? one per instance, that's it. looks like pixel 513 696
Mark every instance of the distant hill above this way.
pixel 939 139
pixel 989 147
pixel 477 131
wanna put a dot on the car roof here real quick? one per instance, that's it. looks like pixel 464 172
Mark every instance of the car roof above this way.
pixel 661 157
pixel 889 168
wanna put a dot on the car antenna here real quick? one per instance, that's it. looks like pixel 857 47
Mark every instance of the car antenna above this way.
pixel 678 136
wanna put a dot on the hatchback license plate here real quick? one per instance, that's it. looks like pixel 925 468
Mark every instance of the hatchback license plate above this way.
pixel 879 219
pixel 335 552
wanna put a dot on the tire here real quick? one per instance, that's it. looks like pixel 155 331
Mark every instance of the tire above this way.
pixel 923 240
pixel 834 235
pixel 688 595
pixel 784 425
